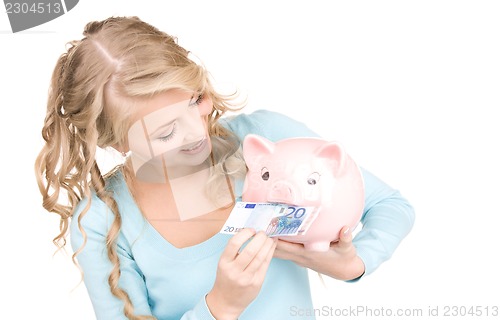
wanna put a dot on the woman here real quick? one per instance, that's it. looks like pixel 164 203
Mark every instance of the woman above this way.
pixel 146 234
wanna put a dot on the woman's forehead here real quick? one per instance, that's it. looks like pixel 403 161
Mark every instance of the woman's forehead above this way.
pixel 163 103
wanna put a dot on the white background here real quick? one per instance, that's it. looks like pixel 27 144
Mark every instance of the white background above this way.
pixel 409 87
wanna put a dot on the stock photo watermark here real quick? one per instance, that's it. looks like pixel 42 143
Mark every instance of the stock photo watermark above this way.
pixel 383 312
pixel 26 14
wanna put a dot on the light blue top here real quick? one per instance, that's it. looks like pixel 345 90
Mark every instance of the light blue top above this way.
pixel 171 283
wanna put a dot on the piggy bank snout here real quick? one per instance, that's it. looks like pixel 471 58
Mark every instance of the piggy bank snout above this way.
pixel 283 191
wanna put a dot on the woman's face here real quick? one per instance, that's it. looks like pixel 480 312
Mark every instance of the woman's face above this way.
pixel 170 132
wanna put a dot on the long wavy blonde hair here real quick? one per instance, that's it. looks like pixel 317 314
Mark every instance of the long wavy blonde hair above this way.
pixel 91 97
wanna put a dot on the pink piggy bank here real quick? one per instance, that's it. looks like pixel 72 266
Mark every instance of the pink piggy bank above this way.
pixel 306 172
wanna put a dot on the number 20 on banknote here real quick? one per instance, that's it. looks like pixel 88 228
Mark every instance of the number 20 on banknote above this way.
pixel 273 218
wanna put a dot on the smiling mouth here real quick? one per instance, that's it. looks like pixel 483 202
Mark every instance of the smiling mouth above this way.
pixel 195 147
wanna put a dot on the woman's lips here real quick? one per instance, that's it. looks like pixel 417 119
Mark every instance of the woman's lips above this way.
pixel 199 146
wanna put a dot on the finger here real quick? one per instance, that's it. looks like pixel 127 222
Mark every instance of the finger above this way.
pixel 260 273
pixel 262 256
pixel 251 250
pixel 345 238
pixel 235 243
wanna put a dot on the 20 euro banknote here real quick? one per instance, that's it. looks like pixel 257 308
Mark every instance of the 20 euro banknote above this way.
pixel 275 219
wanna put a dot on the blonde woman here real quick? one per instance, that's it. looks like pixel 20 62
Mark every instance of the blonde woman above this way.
pixel 146 234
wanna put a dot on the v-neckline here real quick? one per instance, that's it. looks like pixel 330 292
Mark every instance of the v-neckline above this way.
pixel 215 243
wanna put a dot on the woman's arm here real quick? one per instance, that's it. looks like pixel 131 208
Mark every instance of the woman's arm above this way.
pixel 96 266
pixel 388 217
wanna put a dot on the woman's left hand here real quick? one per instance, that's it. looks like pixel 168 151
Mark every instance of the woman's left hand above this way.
pixel 340 262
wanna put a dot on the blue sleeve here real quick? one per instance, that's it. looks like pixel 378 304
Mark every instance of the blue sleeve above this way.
pixel 96 267
pixel 387 218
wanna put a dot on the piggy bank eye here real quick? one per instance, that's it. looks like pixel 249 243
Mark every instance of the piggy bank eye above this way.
pixel 313 178
pixel 264 173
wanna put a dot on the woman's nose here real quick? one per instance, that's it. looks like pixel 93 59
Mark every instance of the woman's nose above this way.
pixel 195 126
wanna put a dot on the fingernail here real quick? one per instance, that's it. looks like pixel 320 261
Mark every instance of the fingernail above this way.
pixel 346 231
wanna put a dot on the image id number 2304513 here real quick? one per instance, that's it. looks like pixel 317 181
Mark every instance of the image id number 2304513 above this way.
pixel 37 7
pixel 466 311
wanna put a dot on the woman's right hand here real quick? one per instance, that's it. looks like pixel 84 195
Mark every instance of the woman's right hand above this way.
pixel 240 274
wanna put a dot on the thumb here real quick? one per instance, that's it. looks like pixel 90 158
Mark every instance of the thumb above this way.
pixel 345 238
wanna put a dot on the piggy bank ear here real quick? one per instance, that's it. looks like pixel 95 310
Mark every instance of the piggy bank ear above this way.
pixel 255 146
pixel 335 152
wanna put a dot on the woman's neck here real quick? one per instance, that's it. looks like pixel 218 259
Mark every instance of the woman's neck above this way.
pixel 184 197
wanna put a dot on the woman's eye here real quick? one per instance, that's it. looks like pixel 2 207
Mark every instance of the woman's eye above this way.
pixel 168 136
pixel 198 100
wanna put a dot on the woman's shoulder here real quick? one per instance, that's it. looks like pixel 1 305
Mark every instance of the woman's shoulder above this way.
pixel 94 217
pixel 270 124
pixel 92 211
